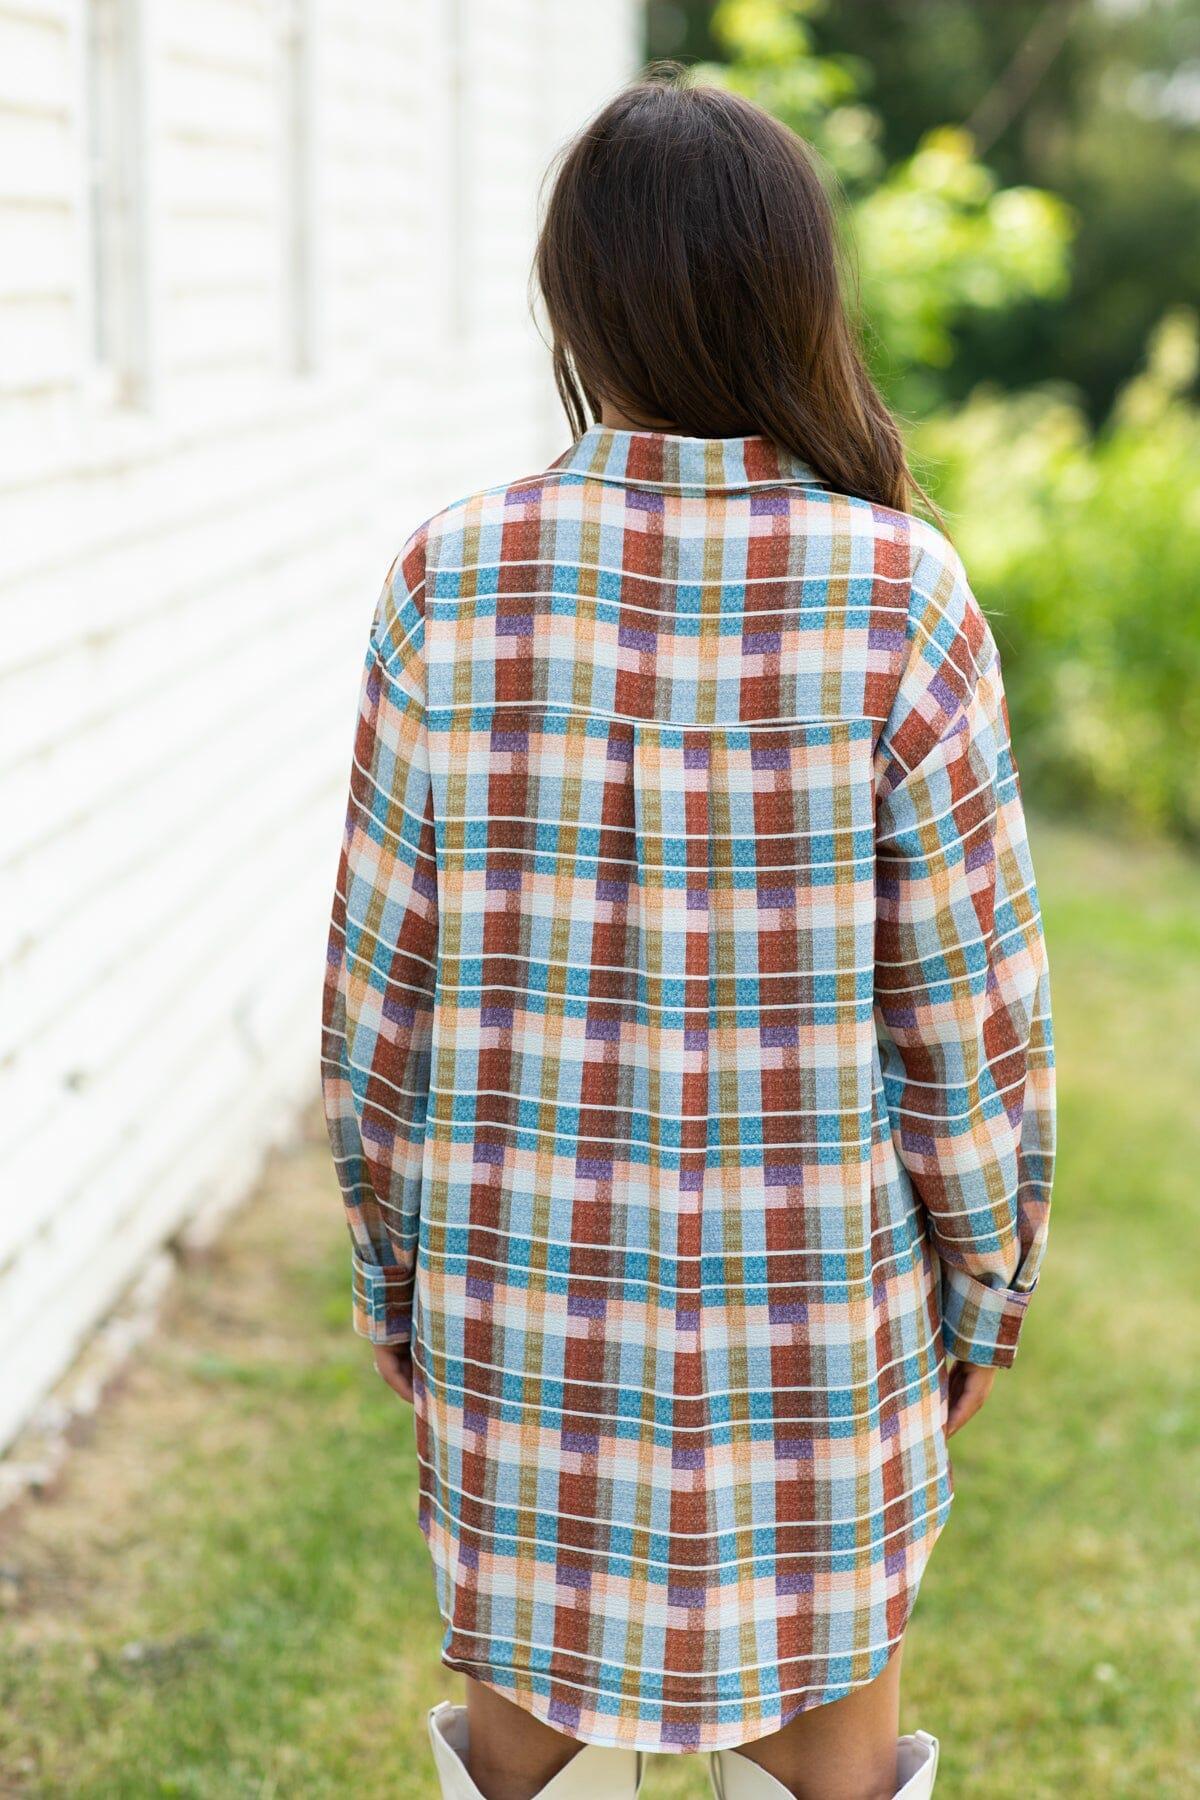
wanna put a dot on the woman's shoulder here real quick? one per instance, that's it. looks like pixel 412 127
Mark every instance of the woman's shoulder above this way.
pixel 925 541
pixel 886 540
pixel 503 522
pixel 480 506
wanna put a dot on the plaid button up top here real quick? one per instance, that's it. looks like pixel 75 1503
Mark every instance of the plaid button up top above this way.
pixel 688 1071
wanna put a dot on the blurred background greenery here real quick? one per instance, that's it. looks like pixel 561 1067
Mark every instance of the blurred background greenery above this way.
pixel 1021 185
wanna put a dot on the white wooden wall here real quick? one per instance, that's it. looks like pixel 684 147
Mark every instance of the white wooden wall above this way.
pixel 185 587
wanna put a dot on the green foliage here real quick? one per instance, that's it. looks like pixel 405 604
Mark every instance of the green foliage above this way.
pixel 1084 550
pixel 940 238
pixel 771 58
pixel 1107 121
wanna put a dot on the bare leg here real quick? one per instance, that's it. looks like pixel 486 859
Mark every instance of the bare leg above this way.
pixel 843 1751
pixel 511 1755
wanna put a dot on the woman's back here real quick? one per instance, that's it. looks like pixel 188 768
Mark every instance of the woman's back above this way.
pixel 687 1064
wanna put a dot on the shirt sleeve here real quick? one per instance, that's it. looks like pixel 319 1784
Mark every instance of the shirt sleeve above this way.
pixel 962 996
pixel 377 1014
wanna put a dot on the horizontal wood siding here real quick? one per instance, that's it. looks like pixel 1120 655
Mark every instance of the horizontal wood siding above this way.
pixel 185 588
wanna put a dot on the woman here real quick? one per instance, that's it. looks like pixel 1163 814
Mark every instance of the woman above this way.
pixel 687 1044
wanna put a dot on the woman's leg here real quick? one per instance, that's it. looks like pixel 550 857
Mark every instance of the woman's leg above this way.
pixel 843 1751
pixel 511 1755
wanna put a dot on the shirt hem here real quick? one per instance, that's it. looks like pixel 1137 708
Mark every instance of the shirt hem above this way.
pixel 532 1691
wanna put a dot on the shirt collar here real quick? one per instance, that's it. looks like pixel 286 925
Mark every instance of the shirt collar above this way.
pixel 657 459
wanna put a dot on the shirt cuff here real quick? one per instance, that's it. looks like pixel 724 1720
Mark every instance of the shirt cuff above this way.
pixel 382 1300
pixel 980 1324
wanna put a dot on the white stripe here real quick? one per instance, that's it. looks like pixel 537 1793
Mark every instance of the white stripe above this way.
pixel 366 962
pixel 1009 899
pixel 393 679
pixel 793 616
pixel 613 478
pixel 657 1562
pixel 561 962
pixel 923 820
pixel 923 987
pixel 461 601
pixel 767 1386
pixel 557 710
pixel 587 1656
pixel 736 1701
pixel 611 1524
pixel 590 1137
pixel 938 1215
pixel 710 1010
pixel 730 1293
pixel 436 1124
pixel 643 831
pixel 650 1250
pixel 641 1112
pixel 946 1087
pixel 343 1063
pixel 390 944
pixel 589 568
pixel 959 635
pixel 757 975
pixel 561 1102
pixel 592 1000
pixel 438 1121
pixel 461 853
pixel 391 796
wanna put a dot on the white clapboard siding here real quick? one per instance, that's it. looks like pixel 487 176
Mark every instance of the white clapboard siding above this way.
pixel 35 63
pixel 187 575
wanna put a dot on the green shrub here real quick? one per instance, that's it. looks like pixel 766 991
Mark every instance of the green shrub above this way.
pixel 1085 553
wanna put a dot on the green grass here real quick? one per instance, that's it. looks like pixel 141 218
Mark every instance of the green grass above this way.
pixel 228 1596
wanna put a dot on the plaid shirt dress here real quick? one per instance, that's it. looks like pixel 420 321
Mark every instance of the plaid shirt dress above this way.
pixel 688 1071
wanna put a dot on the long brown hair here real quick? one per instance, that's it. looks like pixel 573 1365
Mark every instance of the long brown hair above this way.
pixel 689 264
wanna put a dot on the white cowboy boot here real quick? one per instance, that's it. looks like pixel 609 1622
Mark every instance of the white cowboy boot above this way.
pixel 735 1777
pixel 593 1773
pixel 916 1766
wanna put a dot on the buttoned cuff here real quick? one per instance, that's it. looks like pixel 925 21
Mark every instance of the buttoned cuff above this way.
pixel 980 1324
pixel 382 1300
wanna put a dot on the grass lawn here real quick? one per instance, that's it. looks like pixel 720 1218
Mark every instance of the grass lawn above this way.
pixel 228 1595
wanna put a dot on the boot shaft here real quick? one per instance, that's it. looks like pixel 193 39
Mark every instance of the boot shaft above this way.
pixel 593 1773
pixel 598 1773
pixel 736 1777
